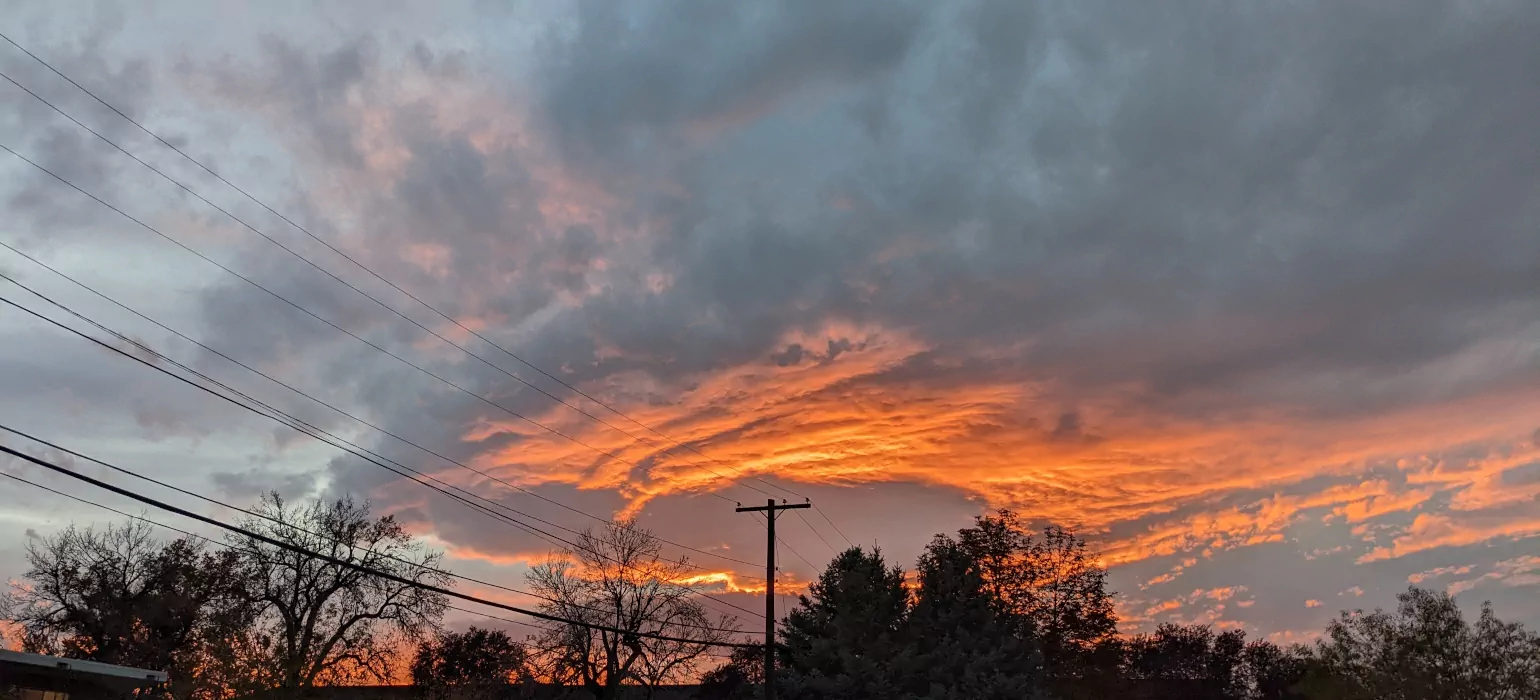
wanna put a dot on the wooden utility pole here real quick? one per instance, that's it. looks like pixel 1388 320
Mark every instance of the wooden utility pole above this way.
pixel 769 508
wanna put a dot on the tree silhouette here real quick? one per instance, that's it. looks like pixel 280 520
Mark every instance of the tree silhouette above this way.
pixel 619 578
pixel 1425 650
pixel 322 623
pixel 477 664
pixel 841 639
pixel 959 645
pixel 1049 587
pixel 119 596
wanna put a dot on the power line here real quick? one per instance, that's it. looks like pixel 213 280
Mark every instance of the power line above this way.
pixel 340 411
pixel 226 545
pixel 318 433
pixel 108 508
pixel 329 323
pixel 350 564
pixel 356 262
pixel 381 278
pixel 303 427
pixel 365 294
pixel 349 333
pixel 820 537
pixel 218 543
pixel 826 519
pixel 277 521
pixel 782 542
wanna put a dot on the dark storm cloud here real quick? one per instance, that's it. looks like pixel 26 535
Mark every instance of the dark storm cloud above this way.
pixel 1154 179
pixel 643 71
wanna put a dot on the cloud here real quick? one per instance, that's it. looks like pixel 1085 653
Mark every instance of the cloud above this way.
pixel 1190 280
pixel 1431 531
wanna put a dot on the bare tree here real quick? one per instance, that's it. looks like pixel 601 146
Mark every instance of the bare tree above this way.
pixel 618 578
pixel 322 623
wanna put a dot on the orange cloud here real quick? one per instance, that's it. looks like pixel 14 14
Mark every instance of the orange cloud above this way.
pixel 1433 530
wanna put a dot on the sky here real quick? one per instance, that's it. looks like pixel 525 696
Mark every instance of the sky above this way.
pixel 1247 294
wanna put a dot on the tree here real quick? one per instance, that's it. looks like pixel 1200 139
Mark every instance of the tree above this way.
pixel 741 678
pixel 1424 651
pixel 618 578
pixel 322 623
pixel 477 664
pixel 1051 587
pixel 1272 672
pixel 1203 665
pixel 959 645
pixel 119 596
pixel 841 639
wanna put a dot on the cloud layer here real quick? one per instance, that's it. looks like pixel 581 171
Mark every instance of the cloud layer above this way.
pixel 1247 294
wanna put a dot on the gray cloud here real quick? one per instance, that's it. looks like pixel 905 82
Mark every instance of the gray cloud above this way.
pixel 1189 210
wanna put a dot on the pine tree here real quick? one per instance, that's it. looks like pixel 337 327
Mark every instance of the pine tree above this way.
pixel 842 639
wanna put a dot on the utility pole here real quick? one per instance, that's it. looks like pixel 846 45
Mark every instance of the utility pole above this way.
pixel 769 508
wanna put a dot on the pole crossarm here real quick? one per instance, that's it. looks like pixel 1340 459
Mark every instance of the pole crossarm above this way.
pixel 770 509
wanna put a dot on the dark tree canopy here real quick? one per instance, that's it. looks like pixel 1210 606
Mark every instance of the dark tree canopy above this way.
pixel 841 639
pixel 960 646
pixel 741 678
pixel 1425 650
pixel 477 662
pixel 119 596
pixel 1050 587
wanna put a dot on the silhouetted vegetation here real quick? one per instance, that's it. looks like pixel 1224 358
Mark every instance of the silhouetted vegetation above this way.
pixel 998 612
pixel 618 578
pixel 477 664
pixel 993 612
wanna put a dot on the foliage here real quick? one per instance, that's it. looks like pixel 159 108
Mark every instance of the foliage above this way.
pixel 959 645
pixel 474 665
pixel 741 678
pixel 119 596
pixel 618 578
pixel 841 639
pixel 322 623
pixel 1208 665
pixel 1049 587
pixel 1425 650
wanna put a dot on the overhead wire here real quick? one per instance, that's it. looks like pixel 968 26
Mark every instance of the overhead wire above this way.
pixel 361 292
pixel 385 575
pixel 210 540
pixel 330 323
pixel 826 519
pixel 355 418
pixel 248 280
pixel 374 299
pixel 809 525
pixel 322 435
pixel 372 273
pixel 359 264
pixel 282 523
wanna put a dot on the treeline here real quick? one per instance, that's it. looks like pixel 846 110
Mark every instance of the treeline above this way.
pixel 242 617
pixel 992 612
pixel 995 613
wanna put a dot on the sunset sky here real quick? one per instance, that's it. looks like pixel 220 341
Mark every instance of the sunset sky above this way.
pixel 1246 293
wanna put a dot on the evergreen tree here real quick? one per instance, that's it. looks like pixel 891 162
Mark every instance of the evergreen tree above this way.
pixel 842 639
pixel 960 647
